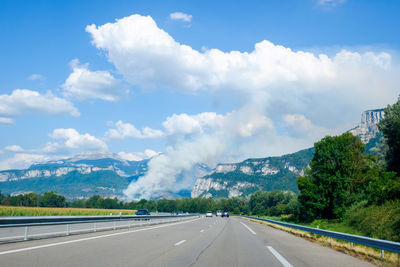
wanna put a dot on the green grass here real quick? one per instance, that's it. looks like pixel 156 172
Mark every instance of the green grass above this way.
pixel 341 227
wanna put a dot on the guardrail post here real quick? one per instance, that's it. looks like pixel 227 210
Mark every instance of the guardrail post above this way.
pixel 26 233
pixel 67 233
pixel 351 244
pixel 94 227
pixel 115 225
pixel 383 254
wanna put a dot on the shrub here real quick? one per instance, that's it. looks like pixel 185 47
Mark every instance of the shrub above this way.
pixel 379 221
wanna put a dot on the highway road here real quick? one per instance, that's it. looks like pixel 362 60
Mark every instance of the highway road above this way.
pixel 195 242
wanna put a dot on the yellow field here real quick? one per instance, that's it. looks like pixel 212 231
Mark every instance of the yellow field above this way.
pixel 39 211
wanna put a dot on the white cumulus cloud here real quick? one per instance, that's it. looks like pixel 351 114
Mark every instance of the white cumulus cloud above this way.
pixel 4 120
pixel 22 101
pixel 72 139
pixel 271 76
pixel 84 84
pixel 127 130
pixel 14 148
pixel 189 124
pixel 180 16
pixel 34 77
pixel 22 161
pixel 138 156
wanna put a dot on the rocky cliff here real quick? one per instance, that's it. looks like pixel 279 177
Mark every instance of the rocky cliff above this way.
pixel 244 178
pixel 368 128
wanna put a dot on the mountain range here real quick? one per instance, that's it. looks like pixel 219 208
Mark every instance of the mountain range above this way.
pixel 108 175
pixel 78 177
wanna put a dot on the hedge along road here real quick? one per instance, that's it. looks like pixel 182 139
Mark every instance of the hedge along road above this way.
pixel 197 242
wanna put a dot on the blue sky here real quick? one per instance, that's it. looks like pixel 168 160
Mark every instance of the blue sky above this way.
pixel 222 80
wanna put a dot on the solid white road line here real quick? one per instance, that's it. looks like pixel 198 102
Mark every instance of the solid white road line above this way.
pixel 279 257
pixel 91 238
pixel 202 230
pixel 180 242
pixel 248 228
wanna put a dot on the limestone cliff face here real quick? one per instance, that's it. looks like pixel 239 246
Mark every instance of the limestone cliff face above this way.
pixel 246 177
pixel 368 128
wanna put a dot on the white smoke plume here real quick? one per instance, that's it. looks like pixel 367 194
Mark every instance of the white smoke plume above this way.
pixel 236 135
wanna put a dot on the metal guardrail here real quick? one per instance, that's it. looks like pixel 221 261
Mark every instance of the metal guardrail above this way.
pixel 52 220
pixel 119 222
pixel 367 241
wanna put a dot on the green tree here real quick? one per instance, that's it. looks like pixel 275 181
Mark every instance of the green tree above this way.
pixel 335 174
pixel 93 202
pixel 390 128
pixel 52 199
pixel 383 187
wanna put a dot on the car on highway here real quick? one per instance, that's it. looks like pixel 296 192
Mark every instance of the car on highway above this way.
pixel 225 214
pixel 208 214
pixel 143 212
pixel 219 213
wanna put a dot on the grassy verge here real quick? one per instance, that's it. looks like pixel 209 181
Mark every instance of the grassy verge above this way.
pixel 362 252
pixel 342 227
pixel 39 211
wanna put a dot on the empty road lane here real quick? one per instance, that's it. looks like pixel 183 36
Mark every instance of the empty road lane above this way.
pixel 198 242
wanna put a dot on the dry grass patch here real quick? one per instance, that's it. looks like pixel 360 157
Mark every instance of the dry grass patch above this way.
pixel 359 251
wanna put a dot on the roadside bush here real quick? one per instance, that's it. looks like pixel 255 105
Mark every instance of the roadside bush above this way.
pixel 378 221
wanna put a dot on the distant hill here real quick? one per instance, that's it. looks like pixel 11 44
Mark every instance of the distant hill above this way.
pixel 77 177
pixel 246 177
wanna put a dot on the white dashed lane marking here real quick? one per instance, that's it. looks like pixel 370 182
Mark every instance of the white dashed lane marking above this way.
pixel 279 257
pixel 248 228
pixel 180 242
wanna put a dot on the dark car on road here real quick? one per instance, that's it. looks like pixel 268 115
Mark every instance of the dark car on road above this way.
pixel 225 214
pixel 142 212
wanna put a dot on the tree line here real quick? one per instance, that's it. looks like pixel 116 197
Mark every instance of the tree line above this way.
pixel 273 203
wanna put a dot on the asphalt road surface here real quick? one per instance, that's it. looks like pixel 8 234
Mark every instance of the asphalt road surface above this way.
pixel 196 242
